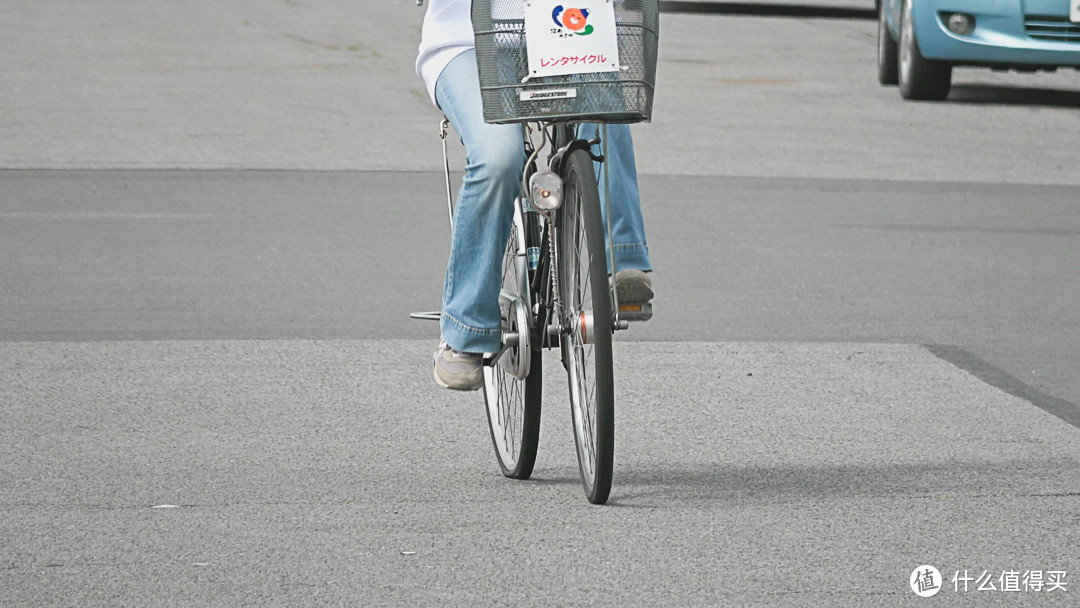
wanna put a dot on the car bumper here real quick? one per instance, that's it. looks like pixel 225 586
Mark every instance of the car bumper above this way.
pixel 1035 33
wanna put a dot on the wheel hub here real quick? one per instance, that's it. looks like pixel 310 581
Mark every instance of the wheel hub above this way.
pixel 515 360
pixel 583 326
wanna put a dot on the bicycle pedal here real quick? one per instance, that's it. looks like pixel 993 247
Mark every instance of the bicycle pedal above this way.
pixel 635 312
pixel 427 316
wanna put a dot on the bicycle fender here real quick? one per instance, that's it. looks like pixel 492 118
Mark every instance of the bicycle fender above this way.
pixel 559 159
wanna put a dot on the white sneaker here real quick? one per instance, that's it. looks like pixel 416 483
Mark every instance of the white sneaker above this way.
pixel 633 286
pixel 458 370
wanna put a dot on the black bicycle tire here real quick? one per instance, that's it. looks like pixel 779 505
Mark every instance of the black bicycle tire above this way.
pixel 582 201
pixel 529 437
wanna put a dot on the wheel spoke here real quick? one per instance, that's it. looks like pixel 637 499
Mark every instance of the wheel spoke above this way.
pixel 507 413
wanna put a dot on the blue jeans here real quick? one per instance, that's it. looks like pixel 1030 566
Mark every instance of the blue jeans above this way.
pixel 484 210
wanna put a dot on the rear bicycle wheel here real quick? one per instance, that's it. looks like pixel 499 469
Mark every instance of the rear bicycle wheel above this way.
pixel 512 381
pixel 586 318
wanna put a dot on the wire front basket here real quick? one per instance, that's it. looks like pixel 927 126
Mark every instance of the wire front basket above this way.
pixel 512 92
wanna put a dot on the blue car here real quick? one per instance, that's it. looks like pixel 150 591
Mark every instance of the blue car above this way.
pixel 919 41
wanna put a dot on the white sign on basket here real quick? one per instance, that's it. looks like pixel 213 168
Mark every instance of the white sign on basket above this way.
pixel 570 37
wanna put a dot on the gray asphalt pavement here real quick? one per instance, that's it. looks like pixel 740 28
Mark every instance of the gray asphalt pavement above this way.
pixel 278 472
pixel 151 255
pixel 323 85
pixel 215 218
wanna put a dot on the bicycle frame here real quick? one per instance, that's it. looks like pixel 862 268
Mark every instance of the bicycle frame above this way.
pixel 562 139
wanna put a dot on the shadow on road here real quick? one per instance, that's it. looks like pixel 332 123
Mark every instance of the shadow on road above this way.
pixel 1019 96
pixel 787 482
pixel 767 9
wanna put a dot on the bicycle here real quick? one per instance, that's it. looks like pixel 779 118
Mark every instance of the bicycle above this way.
pixel 556 291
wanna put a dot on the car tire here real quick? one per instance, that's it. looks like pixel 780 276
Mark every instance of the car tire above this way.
pixel 888 57
pixel 920 78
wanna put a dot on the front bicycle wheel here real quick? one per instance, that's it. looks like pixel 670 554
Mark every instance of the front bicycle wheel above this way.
pixel 587 324
pixel 512 379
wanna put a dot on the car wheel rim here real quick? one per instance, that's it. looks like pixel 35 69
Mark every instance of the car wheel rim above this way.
pixel 907 41
pixel 881 33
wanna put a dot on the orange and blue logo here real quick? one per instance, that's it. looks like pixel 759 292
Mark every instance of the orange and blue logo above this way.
pixel 573 19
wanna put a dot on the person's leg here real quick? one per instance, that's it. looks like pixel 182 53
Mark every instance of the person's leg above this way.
pixel 483 211
pixel 627 223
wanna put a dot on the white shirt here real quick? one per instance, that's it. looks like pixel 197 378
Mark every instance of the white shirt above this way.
pixel 447 33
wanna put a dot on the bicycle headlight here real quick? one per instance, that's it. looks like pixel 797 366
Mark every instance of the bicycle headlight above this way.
pixel 545 190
